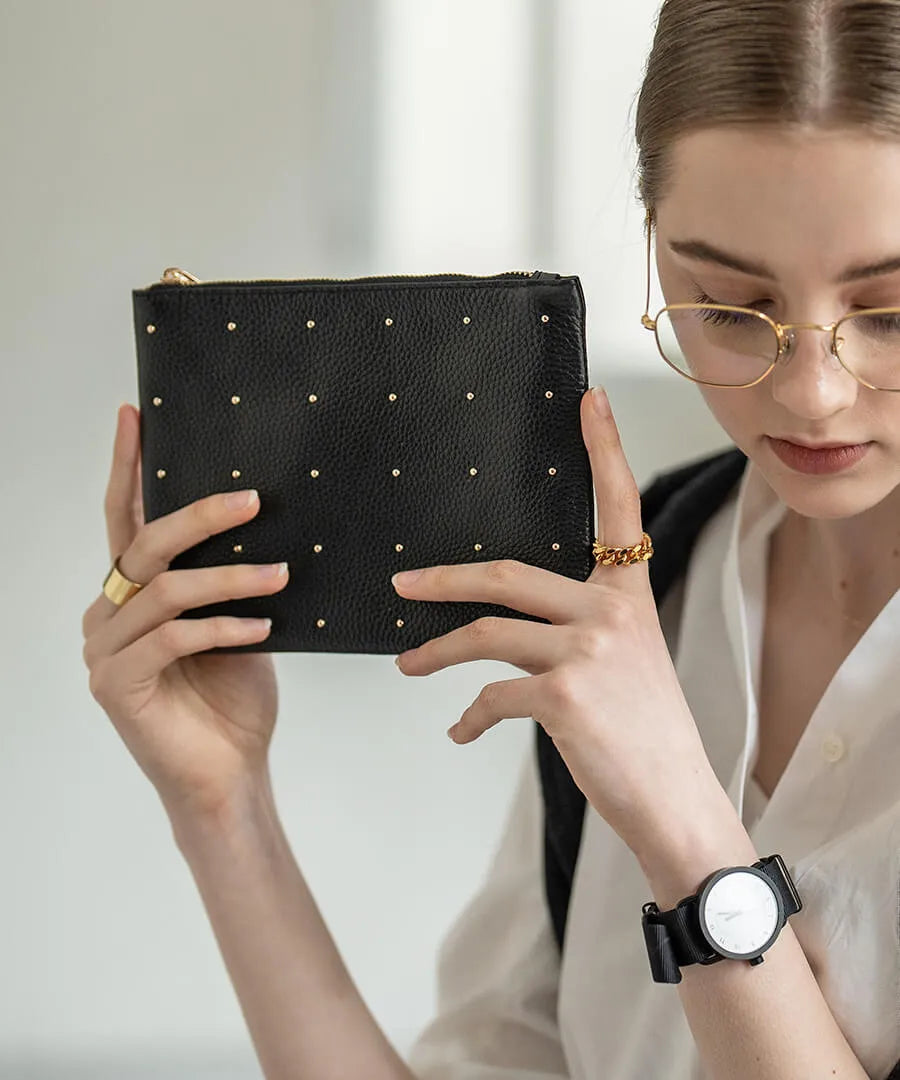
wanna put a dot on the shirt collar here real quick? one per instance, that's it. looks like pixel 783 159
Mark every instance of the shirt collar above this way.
pixel 757 513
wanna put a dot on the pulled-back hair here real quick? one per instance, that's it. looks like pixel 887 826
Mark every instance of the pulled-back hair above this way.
pixel 820 64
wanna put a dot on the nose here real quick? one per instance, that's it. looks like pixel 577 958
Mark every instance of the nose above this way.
pixel 808 378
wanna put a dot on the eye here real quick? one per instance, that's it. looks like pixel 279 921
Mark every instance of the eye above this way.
pixel 704 298
pixel 868 307
pixel 727 318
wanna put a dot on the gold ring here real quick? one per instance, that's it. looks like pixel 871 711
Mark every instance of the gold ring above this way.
pixel 118 587
pixel 623 556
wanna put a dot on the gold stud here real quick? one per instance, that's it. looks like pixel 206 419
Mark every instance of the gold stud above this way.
pixel 395 472
pixel 238 548
pixel 392 397
pixel 151 329
pixel 545 318
pixel 466 320
pixel 157 401
pixel 235 473
pixel 555 547
pixel 320 622
pixel 399 622
pixel 312 398
pixel 472 472
pixel 160 473
pixel 478 547
pixel 317 548
pixel 232 326
pixel 398 547
pixel 313 473
pixel 235 399
pixel 388 322
pixel 310 323
pixel 548 393
pixel 552 472
pixel 470 395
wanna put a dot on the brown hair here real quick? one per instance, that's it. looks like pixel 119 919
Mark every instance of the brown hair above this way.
pixel 805 63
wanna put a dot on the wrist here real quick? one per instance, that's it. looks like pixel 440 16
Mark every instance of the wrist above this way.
pixel 247 804
pixel 705 836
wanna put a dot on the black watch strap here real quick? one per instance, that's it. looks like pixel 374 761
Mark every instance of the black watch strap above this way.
pixel 674 937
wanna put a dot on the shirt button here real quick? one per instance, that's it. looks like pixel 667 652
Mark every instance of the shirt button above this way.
pixel 833 747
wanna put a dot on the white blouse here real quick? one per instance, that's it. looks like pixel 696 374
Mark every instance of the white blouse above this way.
pixel 509 1008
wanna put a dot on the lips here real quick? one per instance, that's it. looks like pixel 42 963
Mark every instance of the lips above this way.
pixel 816 446
pixel 805 459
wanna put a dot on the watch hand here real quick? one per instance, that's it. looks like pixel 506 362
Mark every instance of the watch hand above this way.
pixel 731 914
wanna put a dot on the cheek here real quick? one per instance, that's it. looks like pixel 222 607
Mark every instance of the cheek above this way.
pixel 738 412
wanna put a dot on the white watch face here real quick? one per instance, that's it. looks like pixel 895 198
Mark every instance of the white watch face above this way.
pixel 740 912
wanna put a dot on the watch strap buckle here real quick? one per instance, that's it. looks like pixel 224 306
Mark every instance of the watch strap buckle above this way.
pixel 675 938
pixel 664 966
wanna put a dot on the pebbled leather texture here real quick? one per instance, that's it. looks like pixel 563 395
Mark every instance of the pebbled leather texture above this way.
pixel 354 435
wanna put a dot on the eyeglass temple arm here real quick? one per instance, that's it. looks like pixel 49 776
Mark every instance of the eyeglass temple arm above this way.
pixel 648 323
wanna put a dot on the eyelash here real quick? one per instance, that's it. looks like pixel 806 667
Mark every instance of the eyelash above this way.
pixel 702 298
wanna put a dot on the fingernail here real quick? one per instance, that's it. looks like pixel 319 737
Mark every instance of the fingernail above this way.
pixel 405 577
pixel 598 398
pixel 271 569
pixel 237 500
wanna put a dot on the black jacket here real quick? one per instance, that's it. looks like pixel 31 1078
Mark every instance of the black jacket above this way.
pixel 674 508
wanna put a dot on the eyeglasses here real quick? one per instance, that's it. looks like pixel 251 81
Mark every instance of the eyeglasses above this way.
pixel 737 347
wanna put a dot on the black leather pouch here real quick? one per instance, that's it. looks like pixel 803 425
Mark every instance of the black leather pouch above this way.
pixel 388 423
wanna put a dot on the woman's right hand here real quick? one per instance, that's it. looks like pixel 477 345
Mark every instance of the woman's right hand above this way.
pixel 199 726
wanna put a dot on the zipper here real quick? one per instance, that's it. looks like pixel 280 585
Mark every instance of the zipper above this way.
pixel 174 275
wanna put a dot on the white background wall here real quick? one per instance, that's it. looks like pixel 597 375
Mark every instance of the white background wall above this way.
pixel 284 139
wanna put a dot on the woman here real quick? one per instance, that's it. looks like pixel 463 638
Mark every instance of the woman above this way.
pixel 769 140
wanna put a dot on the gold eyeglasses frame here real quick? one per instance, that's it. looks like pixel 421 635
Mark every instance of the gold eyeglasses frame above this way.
pixel 784 332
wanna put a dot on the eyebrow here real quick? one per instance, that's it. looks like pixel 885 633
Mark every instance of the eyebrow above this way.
pixel 699 249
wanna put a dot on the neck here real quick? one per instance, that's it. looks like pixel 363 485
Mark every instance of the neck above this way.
pixel 849 566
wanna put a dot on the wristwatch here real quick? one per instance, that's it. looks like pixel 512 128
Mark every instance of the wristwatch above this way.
pixel 736 914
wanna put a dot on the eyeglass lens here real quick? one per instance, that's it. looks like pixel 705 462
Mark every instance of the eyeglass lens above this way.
pixel 733 348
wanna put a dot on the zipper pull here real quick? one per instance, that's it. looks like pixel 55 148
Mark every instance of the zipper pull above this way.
pixel 180 277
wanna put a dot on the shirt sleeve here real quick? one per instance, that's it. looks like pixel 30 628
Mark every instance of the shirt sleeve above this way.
pixel 498 966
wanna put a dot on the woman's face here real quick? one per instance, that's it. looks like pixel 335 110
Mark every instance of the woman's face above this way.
pixel 806 208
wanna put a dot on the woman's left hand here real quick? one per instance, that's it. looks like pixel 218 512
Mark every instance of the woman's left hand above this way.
pixel 601 681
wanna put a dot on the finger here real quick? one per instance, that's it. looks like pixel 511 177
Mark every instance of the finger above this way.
pixel 175 591
pixel 142 661
pixel 158 542
pixel 138 503
pixel 517 585
pixel 618 497
pixel 119 502
pixel 533 647
pixel 497 701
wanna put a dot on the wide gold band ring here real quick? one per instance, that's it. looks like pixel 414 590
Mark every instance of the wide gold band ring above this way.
pixel 118 587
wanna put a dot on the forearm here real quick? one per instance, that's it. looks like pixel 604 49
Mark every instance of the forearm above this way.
pixel 305 1015
pixel 763 1022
